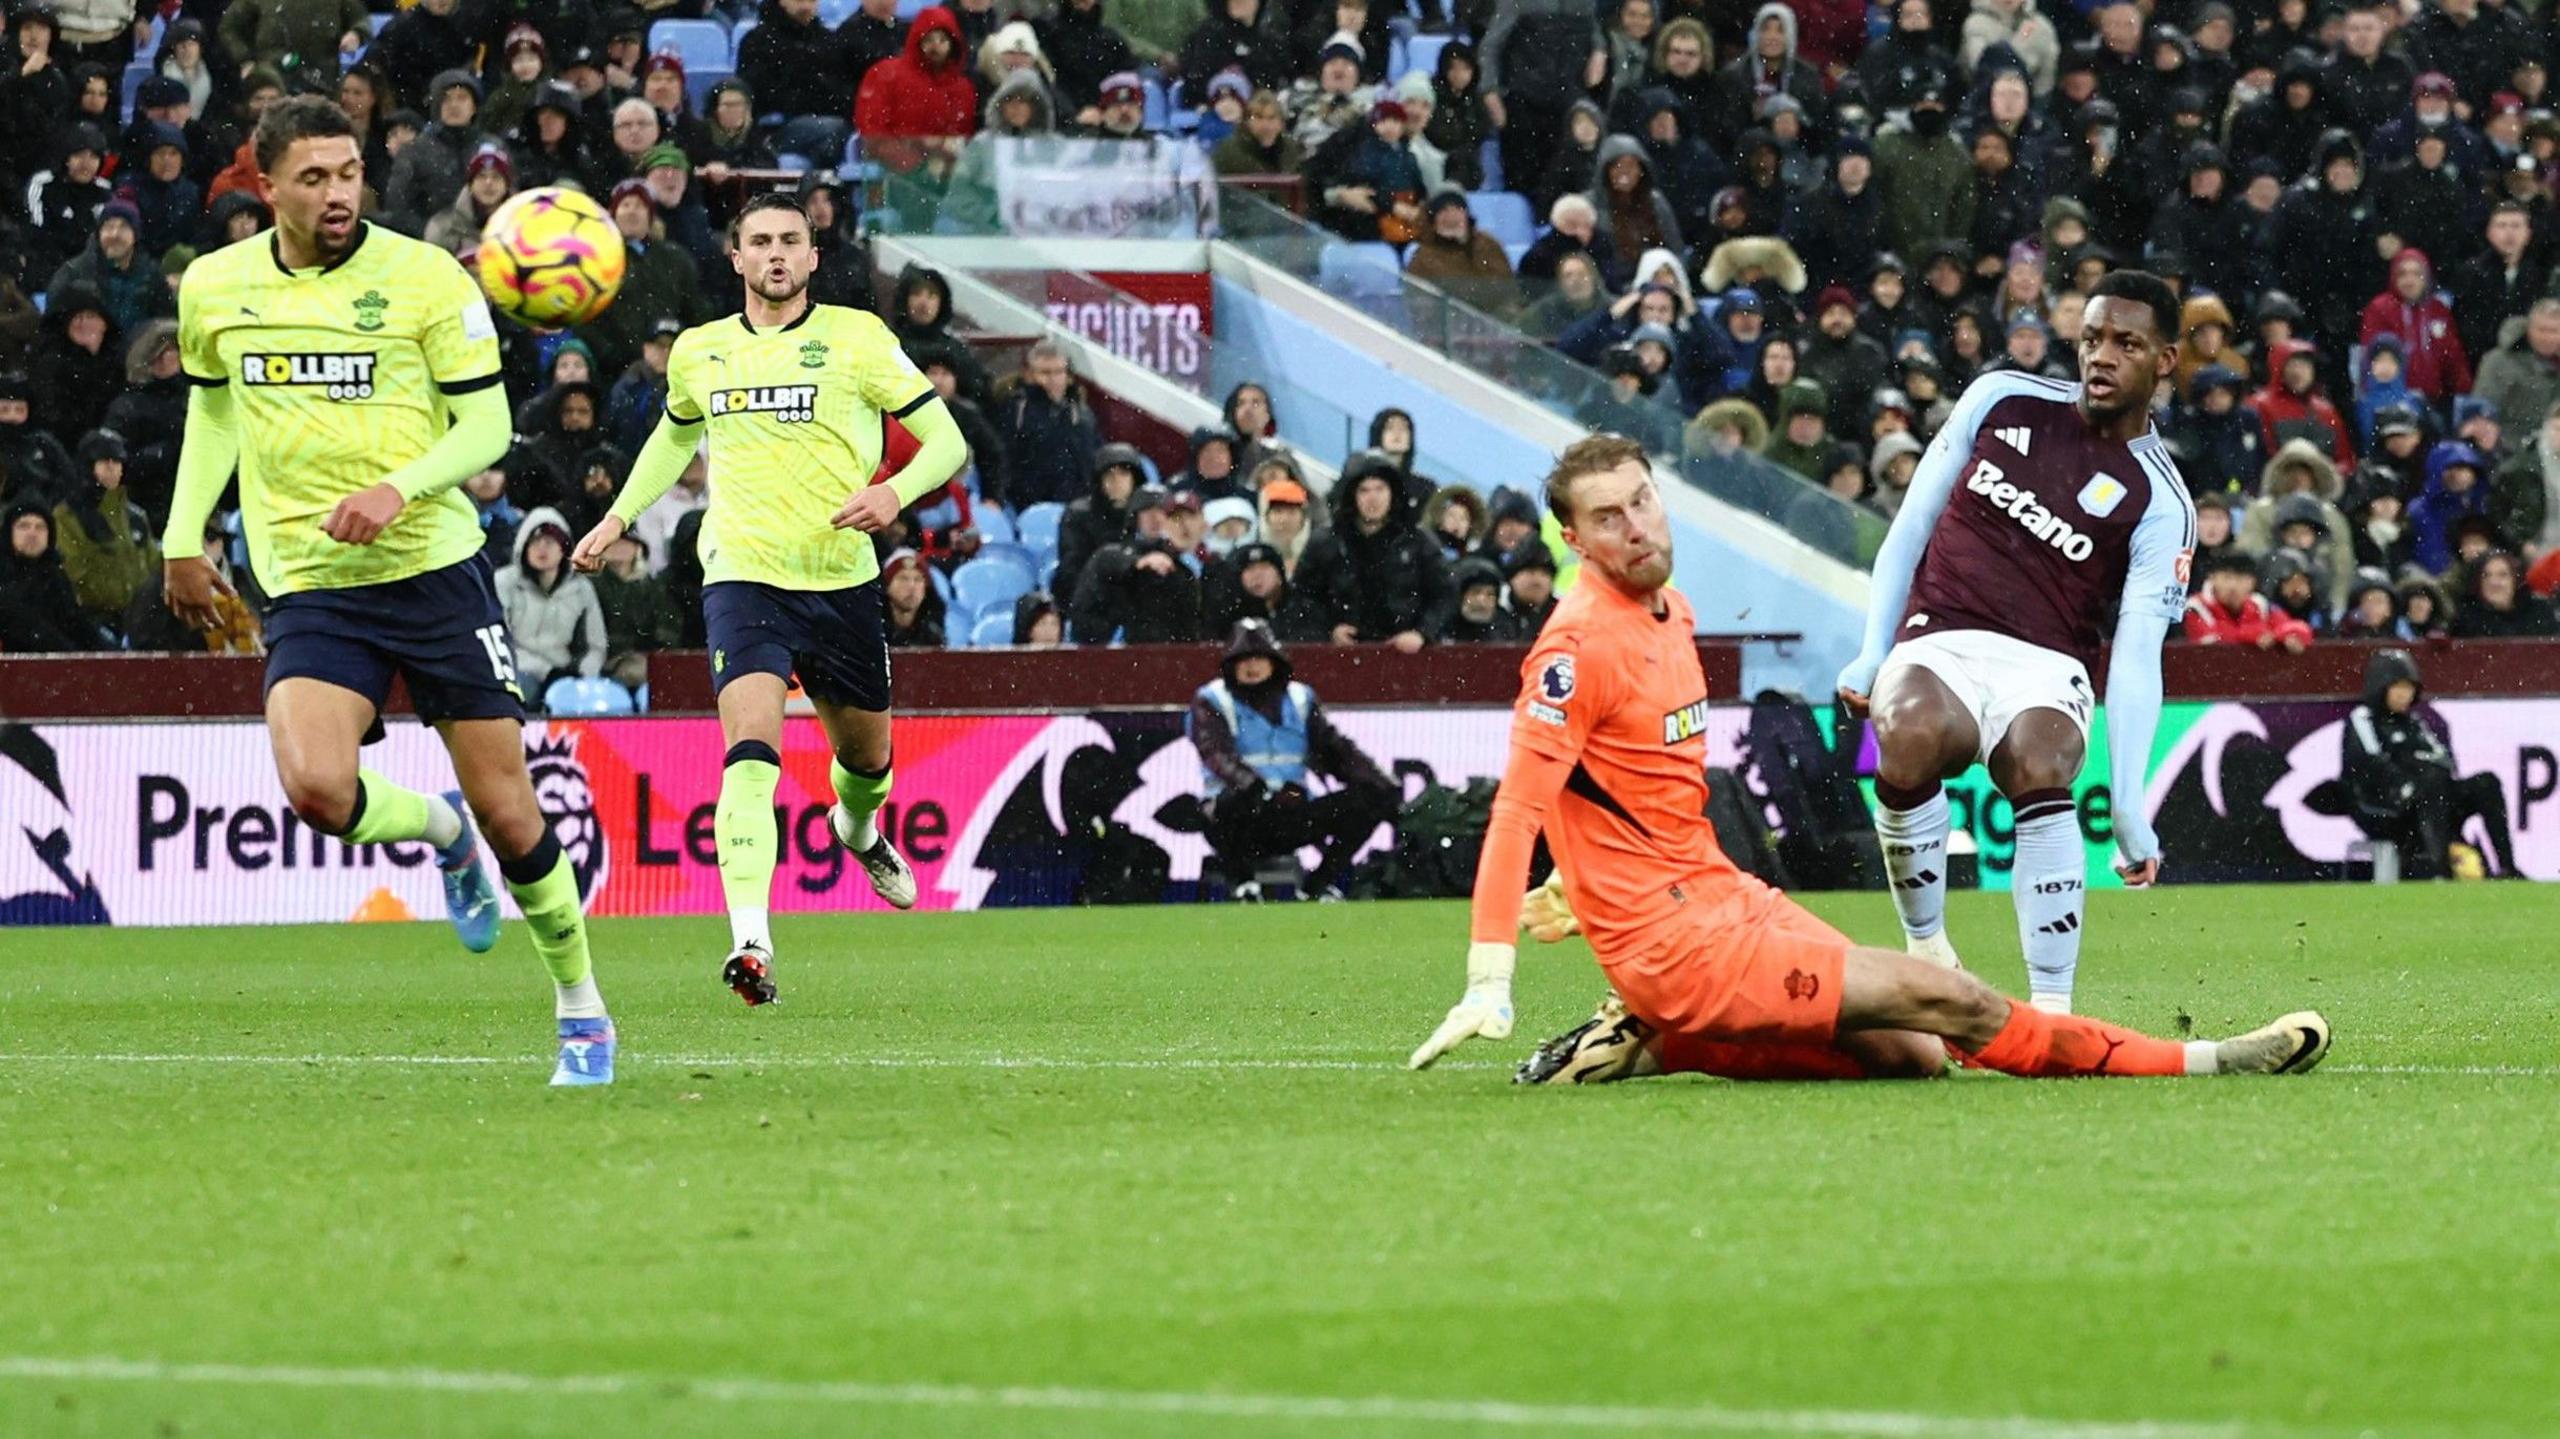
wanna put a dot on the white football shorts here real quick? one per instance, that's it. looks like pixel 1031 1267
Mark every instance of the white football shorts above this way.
pixel 1998 678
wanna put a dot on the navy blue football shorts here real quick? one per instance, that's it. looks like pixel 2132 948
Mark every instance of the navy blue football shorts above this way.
pixel 443 632
pixel 837 641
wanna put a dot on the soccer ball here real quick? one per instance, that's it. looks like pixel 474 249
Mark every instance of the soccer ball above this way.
pixel 551 258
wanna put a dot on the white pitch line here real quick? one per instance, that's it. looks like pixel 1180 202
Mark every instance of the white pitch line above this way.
pixel 645 1059
pixel 1699 1419
pixel 743 1061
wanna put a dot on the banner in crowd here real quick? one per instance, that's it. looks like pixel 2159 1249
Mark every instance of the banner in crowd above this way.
pixel 162 824
pixel 1158 322
pixel 1156 189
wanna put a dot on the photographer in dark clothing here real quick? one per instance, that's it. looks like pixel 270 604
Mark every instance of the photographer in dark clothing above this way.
pixel 2399 776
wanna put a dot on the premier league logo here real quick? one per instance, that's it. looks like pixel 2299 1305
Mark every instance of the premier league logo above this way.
pixel 569 803
pixel 40 880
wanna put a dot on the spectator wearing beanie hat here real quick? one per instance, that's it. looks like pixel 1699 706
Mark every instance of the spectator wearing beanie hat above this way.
pixel 106 541
pixel 1848 365
pixel 1120 109
pixel 527 68
pixel 1838 230
pixel 35 93
pixel 1368 179
pixel 67 200
pixel 1335 102
pixel 488 179
pixel 662 84
pixel 659 279
pixel 114 273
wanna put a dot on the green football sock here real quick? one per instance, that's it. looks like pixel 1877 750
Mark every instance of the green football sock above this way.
pixel 861 794
pixel 387 814
pixel 744 827
pixel 546 889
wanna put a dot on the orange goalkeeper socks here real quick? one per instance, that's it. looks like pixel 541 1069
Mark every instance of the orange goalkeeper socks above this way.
pixel 2057 1046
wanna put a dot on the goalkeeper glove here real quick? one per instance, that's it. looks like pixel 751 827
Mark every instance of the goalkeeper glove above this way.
pixel 1484 1011
pixel 1547 914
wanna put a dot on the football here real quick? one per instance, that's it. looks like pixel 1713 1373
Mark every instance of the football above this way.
pixel 551 258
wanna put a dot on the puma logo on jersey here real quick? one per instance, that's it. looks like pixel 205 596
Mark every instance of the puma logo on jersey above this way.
pixel 2015 437
pixel 344 377
pixel 1687 722
pixel 790 404
pixel 2022 506
pixel 1919 621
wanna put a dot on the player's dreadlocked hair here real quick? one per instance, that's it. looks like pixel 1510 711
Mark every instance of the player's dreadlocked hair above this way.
pixel 769 200
pixel 1591 455
pixel 303 117
pixel 2141 287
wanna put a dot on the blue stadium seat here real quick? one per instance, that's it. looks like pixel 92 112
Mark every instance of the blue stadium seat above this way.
pixel 1503 215
pixel 738 33
pixel 640 698
pixel 910 9
pixel 992 522
pixel 1362 269
pixel 984 585
pixel 941 583
pixel 1037 526
pixel 1422 53
pixel 1513 254
pixel 700 44
pixel 1021 557
pixel 698 83
pixel 1158 109
pixel 832 13
pixel 586 695
pixel 134 75
pixel 1490 155
pixel 993 628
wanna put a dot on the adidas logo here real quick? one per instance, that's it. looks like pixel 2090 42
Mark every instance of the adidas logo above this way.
pixel 1922 880
pixel 2068 924
pixel 2015 437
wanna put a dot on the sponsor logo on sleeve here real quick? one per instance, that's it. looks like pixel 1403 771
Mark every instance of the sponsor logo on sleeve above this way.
pixel 1546 713
pixel 1685 723
pixel 477 324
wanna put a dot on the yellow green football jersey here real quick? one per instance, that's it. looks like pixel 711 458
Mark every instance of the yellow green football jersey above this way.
pixel 339 377
pixel 796 421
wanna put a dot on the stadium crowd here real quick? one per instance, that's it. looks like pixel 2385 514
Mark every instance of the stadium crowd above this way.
pixel 1797 231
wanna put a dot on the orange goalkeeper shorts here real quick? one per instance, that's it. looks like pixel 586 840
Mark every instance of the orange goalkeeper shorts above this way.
pixel 1745 965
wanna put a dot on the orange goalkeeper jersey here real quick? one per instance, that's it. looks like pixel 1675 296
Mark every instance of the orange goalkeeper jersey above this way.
pixel 1608 754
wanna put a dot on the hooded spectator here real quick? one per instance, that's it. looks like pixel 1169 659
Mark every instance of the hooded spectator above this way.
pixel 1394 585
pixel 920 316
pixel 551 142
pixel 1105 515
pixel 39 609
pixel 1800 438
pixel 1926 175
pixel 1459 125
pixel 1455 517
pixel 2327 233
pixel 1634 216
pixel 2456 489
pixel 2399 775
pixel 78 365
pixel 1575 297
pixel 2412 313
pixel 2219 440
pixel 1838 230
pixel 2016 24
pixel 923 97
pixel 1136 590
pixel 488 179
pixel 1252 419
pixel 1212 474
pixel 429 171
pixel 1575 160
pixel 552 611
pixel 106 541
pixel 1261 736
pixel 2296 475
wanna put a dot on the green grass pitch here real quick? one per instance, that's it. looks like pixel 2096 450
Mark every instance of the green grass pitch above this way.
pixel 1199 1196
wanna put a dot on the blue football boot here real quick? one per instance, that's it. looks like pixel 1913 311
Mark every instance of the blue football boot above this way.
pixel 469 898
pixel 586 1053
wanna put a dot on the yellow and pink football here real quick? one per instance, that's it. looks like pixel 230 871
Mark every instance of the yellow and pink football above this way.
pixel 551 258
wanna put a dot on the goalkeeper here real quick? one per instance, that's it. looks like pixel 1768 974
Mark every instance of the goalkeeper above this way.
pixel 793 397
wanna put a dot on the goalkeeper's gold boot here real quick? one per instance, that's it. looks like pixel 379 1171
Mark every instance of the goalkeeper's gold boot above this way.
pixel 1609 1046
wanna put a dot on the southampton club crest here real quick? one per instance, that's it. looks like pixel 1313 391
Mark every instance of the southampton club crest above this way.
pixel 560 787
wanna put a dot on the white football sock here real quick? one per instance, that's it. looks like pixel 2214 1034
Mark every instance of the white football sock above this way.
pixel 2050 886
pixel 749 926
pixel 1915 862
pixel 580 1000
pixel 444 822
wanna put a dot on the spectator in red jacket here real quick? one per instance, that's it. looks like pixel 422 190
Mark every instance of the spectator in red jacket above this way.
pixel 2291 406
pixel 2412 310
pixel 2230 611
pixel 923 95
